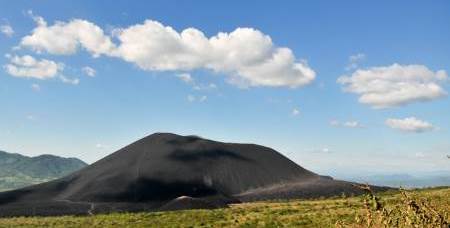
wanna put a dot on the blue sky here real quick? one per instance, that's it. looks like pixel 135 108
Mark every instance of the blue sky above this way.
pixel 316 119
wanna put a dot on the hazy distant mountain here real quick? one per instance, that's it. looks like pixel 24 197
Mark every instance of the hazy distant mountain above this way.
pixel 19 171
pixel 405 180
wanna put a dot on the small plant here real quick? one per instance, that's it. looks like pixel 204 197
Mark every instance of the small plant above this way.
pixel 408 212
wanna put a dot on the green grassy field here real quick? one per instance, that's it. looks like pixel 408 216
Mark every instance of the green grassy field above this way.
pixel 293 213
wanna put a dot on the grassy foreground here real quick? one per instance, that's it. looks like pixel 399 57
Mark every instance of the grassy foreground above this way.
pixel 293 213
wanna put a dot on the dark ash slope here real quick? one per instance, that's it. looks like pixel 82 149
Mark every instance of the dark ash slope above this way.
pixel 154 172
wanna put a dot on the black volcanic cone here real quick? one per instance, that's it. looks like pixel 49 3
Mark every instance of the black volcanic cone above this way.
pixel 152 173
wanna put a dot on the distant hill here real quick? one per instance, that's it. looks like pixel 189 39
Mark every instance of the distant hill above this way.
pixel 405 180
pixel 18 171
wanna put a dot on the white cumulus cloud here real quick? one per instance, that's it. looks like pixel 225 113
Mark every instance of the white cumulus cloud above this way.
pixel 246 55
pixel 89 71
pixel 352 124
pixel 335 123
pixel 67 80
pixel 36 87
pixel 324 150
pixel 295 112
pixel 395 85
pixel 202 98
pixel 348 124
pixel 354 60
pixel 185 77
pixel 64 38
pixel 30 117
pixel 410 124
pixel 192 98
pixel 29 67
pixel 188 79
pixel 7 30
pixel 210 86
pixel 101 146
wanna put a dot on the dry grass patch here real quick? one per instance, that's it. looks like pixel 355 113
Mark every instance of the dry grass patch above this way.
pixel 340 211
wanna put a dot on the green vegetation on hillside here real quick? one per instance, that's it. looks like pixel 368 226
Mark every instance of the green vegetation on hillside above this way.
pixel 19 171
pixel 342 211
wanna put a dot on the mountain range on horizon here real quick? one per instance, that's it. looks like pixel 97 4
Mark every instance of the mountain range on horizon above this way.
pixel 17 171
pixel 404 180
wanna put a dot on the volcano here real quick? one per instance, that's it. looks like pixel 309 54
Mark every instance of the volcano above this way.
pixel 169 172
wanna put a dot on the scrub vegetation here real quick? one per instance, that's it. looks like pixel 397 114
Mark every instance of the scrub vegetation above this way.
pixel 405 208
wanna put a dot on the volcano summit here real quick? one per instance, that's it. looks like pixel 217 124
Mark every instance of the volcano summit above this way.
pixel 168 172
